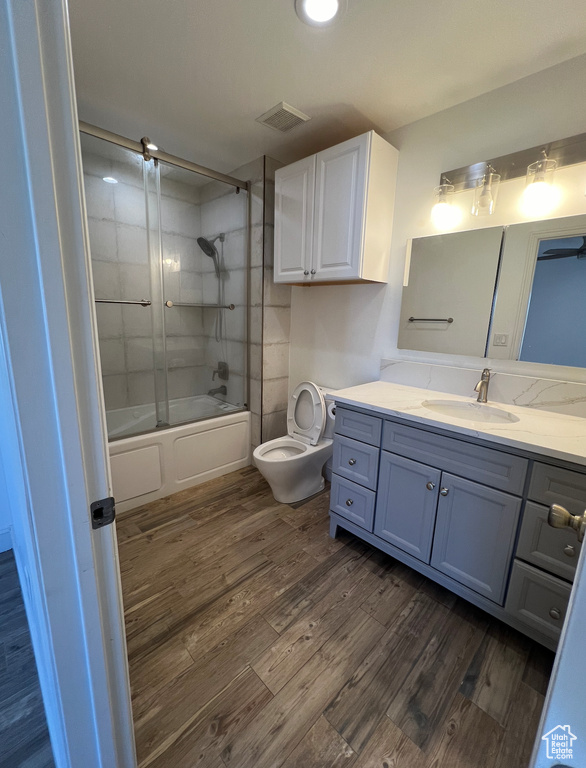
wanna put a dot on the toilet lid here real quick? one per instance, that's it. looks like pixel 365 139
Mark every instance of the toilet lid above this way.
pixel 306 413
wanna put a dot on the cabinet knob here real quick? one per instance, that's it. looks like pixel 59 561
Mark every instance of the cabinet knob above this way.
pixel 559 517
pixel 444 491
pixel 570 551
pixel 430 486
pixel 306 272
pixel 349 502
pixel 313 271
pixel 352 462
pixel 555 614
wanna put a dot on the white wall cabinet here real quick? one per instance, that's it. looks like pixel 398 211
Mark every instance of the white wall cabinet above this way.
pixel 334 214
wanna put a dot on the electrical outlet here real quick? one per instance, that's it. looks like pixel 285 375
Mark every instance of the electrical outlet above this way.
pixel 501 340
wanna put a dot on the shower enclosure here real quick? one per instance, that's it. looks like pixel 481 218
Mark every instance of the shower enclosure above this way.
pixel 169 247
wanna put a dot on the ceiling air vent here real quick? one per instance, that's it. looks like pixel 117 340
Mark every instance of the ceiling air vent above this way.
pixel 283 117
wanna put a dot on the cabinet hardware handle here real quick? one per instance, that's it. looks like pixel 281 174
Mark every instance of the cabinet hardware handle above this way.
pixel 352 462
pixel 559 517
pixel 313 271
pixel 570 551
pixel 349 502
pixel 555 614
pixel 444 491
pixel 306 272
pixel 430 486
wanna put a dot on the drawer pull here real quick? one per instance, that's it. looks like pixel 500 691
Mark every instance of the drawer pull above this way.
pixel 430 486
pixel 555 614
pixel 444 491
pixel 349 502
pixel 570 551
pixel 352 462
pixel 559 517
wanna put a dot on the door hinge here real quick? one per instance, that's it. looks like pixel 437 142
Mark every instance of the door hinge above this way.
pixel 103 512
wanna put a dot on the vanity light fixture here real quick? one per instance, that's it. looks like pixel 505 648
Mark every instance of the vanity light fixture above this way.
pixel 320 13
pixel 541 195
pixel 444 213
pixel 485 192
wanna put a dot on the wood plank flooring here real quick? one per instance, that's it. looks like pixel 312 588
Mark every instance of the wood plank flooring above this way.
pixel 256 641
pixel 24 738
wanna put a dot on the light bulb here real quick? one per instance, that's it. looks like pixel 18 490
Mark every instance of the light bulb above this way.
pixel 321 11
pixel 539 199
pixel 445 216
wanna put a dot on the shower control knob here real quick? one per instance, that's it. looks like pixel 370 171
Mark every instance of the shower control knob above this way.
pixel 352 462
pixel 306 272
pixel 349 502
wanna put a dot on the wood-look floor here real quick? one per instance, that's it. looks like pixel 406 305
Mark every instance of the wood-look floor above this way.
pixel 24 737
pixel 256 641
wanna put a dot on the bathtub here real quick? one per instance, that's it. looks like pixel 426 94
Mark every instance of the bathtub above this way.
pixel 149 466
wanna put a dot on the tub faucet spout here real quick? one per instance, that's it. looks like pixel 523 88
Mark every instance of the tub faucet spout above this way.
pixel 218 391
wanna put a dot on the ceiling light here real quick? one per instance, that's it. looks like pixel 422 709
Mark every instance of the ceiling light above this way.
pixel 110 180
pixel 541 196
pixel 319 13
pixel 444 214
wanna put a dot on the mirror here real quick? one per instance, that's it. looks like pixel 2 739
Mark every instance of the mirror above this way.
pixel 540 308
pixel 535 294
pixel 447 301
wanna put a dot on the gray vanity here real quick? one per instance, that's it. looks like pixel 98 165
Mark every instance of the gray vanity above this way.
pixel 468 512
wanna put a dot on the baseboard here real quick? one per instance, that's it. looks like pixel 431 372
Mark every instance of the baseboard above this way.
pixel 5 541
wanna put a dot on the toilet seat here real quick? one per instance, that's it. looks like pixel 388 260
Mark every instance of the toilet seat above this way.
pixel 306 413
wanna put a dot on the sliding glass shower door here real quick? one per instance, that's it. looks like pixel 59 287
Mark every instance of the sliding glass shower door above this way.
pixel 170 263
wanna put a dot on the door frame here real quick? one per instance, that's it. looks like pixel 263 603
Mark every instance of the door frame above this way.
pixel 53 452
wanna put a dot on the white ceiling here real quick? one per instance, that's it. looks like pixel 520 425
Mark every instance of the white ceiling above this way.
pixel 194 74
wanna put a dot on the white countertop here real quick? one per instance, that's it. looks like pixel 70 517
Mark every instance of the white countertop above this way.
pixel 550 434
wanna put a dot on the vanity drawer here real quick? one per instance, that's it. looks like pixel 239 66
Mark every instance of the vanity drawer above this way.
pixel 356 461
pixel 359 426
pixel 554 485
pixel 553 549
pixel 352 501
pixel 537 599
pixel 474 462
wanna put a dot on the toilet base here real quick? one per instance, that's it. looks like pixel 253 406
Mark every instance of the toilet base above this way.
pixel 294 497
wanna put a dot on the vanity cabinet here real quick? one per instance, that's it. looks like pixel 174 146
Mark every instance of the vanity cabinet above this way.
pixel 334 214
pixel 472 517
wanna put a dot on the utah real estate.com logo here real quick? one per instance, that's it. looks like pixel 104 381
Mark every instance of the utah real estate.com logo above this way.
pixel 559 743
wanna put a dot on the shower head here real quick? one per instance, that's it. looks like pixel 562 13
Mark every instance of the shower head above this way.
pixel 210 250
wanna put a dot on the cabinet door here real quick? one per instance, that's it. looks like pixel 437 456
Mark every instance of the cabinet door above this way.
pixel 406 504
pixel 294 202
pixel 340 202
pixel 474 535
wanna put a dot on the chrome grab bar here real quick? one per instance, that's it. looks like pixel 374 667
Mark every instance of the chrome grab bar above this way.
pixel 431 319
pixel 200 306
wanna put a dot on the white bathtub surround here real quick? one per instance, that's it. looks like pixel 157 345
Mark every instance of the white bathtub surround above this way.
pixel 151 466
pixel 550 434
pixel 564 397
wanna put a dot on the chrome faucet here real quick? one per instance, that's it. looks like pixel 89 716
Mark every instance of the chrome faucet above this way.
pixel 218 390
pixel 482 386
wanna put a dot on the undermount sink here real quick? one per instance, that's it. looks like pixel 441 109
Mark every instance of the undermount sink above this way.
pixel 470 411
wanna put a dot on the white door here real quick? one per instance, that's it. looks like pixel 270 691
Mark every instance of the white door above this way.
pixel 563 721
pixel 53 450
pixel 340 199
pixel 294 197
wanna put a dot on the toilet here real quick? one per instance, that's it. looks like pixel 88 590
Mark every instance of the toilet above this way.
pixel 292 465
